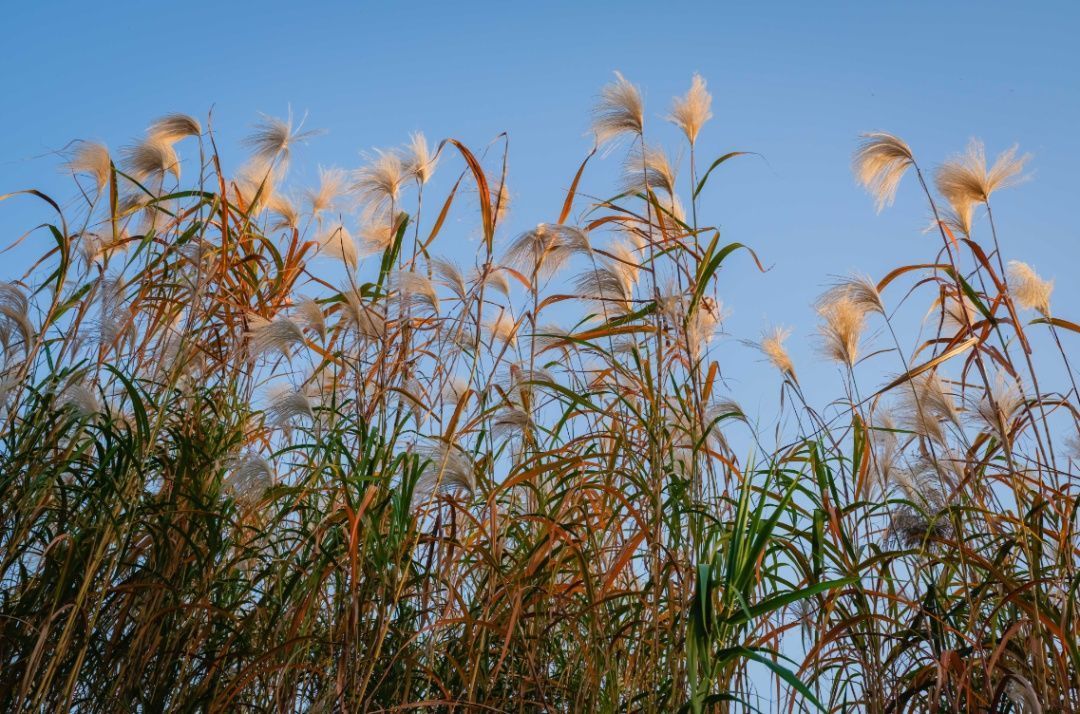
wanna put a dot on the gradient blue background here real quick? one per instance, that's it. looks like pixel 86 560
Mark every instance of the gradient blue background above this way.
pixel 794 81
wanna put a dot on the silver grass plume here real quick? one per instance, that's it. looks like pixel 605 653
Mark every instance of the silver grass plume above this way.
pixel 649 168
pixel 284 210
pixel 543 250
pixel 449 469
pixel 285 403
pixel 113 319
pixel 772 345
pixel 250 476
pixel 333 184
pixel 92 158
pixel 620 111
pixel 378 233
pixel 171 128
pixel 496 279
pixel 1031 291
pixel 503 329
pixel 15 317
pixel 843 320
pixel 419 161
pixel 884 450
pixel 450 276
pixel 379 183
pixel 926 404
pixel 311 316
pixel 997 407
pixel 415 290
pixel 276 335
pixel 510 422
pixel 153 158
pixel 965 180
pixel 273 139
pixel 690 111
pixel 255 184
pixel 368 323
pixel 880 161
pixel 337 242
pixel 80 398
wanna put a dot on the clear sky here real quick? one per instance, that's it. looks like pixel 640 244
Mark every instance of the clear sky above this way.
pixel 795 82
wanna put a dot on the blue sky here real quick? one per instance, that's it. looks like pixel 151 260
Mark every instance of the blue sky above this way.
pixel 795 82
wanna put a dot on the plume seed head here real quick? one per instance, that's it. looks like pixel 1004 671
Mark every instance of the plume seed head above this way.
pixel 843 319
pixel 277 335
pixel 311 316
pixel 879 164
pixel 419 161
pixel 171 128
pixel 692 110
pixel 272 140
pixel 1030 290
pixel 92 158
pixel 250 476
pixel 337 242
pixel 543 250
pixel 153 158
pixel 379 183
pixel 449 469
pixel 286 404
pixel 965 180
pixel 332 186
pixel 620 111
pixel 772 345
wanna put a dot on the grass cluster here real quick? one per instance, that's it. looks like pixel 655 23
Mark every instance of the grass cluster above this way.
pixel 266 450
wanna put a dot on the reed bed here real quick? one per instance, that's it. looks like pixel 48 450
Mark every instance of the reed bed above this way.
pixel 266 448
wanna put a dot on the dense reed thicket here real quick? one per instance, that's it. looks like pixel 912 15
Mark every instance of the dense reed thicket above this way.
pixel 266 450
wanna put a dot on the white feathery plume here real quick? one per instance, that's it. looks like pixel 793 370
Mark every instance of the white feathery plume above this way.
pixel 332 186
pixel 885 451
pixel 92 158
pixel 277 335
pixel 171 128
pixel 620 111
pixel 503 329
pixel 415 289
pixel 273 139
pixel 510 422
pixel 311 316
pixel 15 316
pixel 449 275
pixel 702 325
pixel 997 407
pixel 286 403
pixel 543 250
pixel 419 162
pixel 880 161
pixel 368 323
pixel 379 183
pixel 449 469
pixel 255 184
pixel 692 110
pixel 1031 291
pixel 496 279
pixel 649 168
pixel 337 242
pixel 80 398
pixel 250 476
pixel 772 345
pixel 113 319
pixel 285 209
pixel 153 158
pixel 841 328
pixel 965 180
